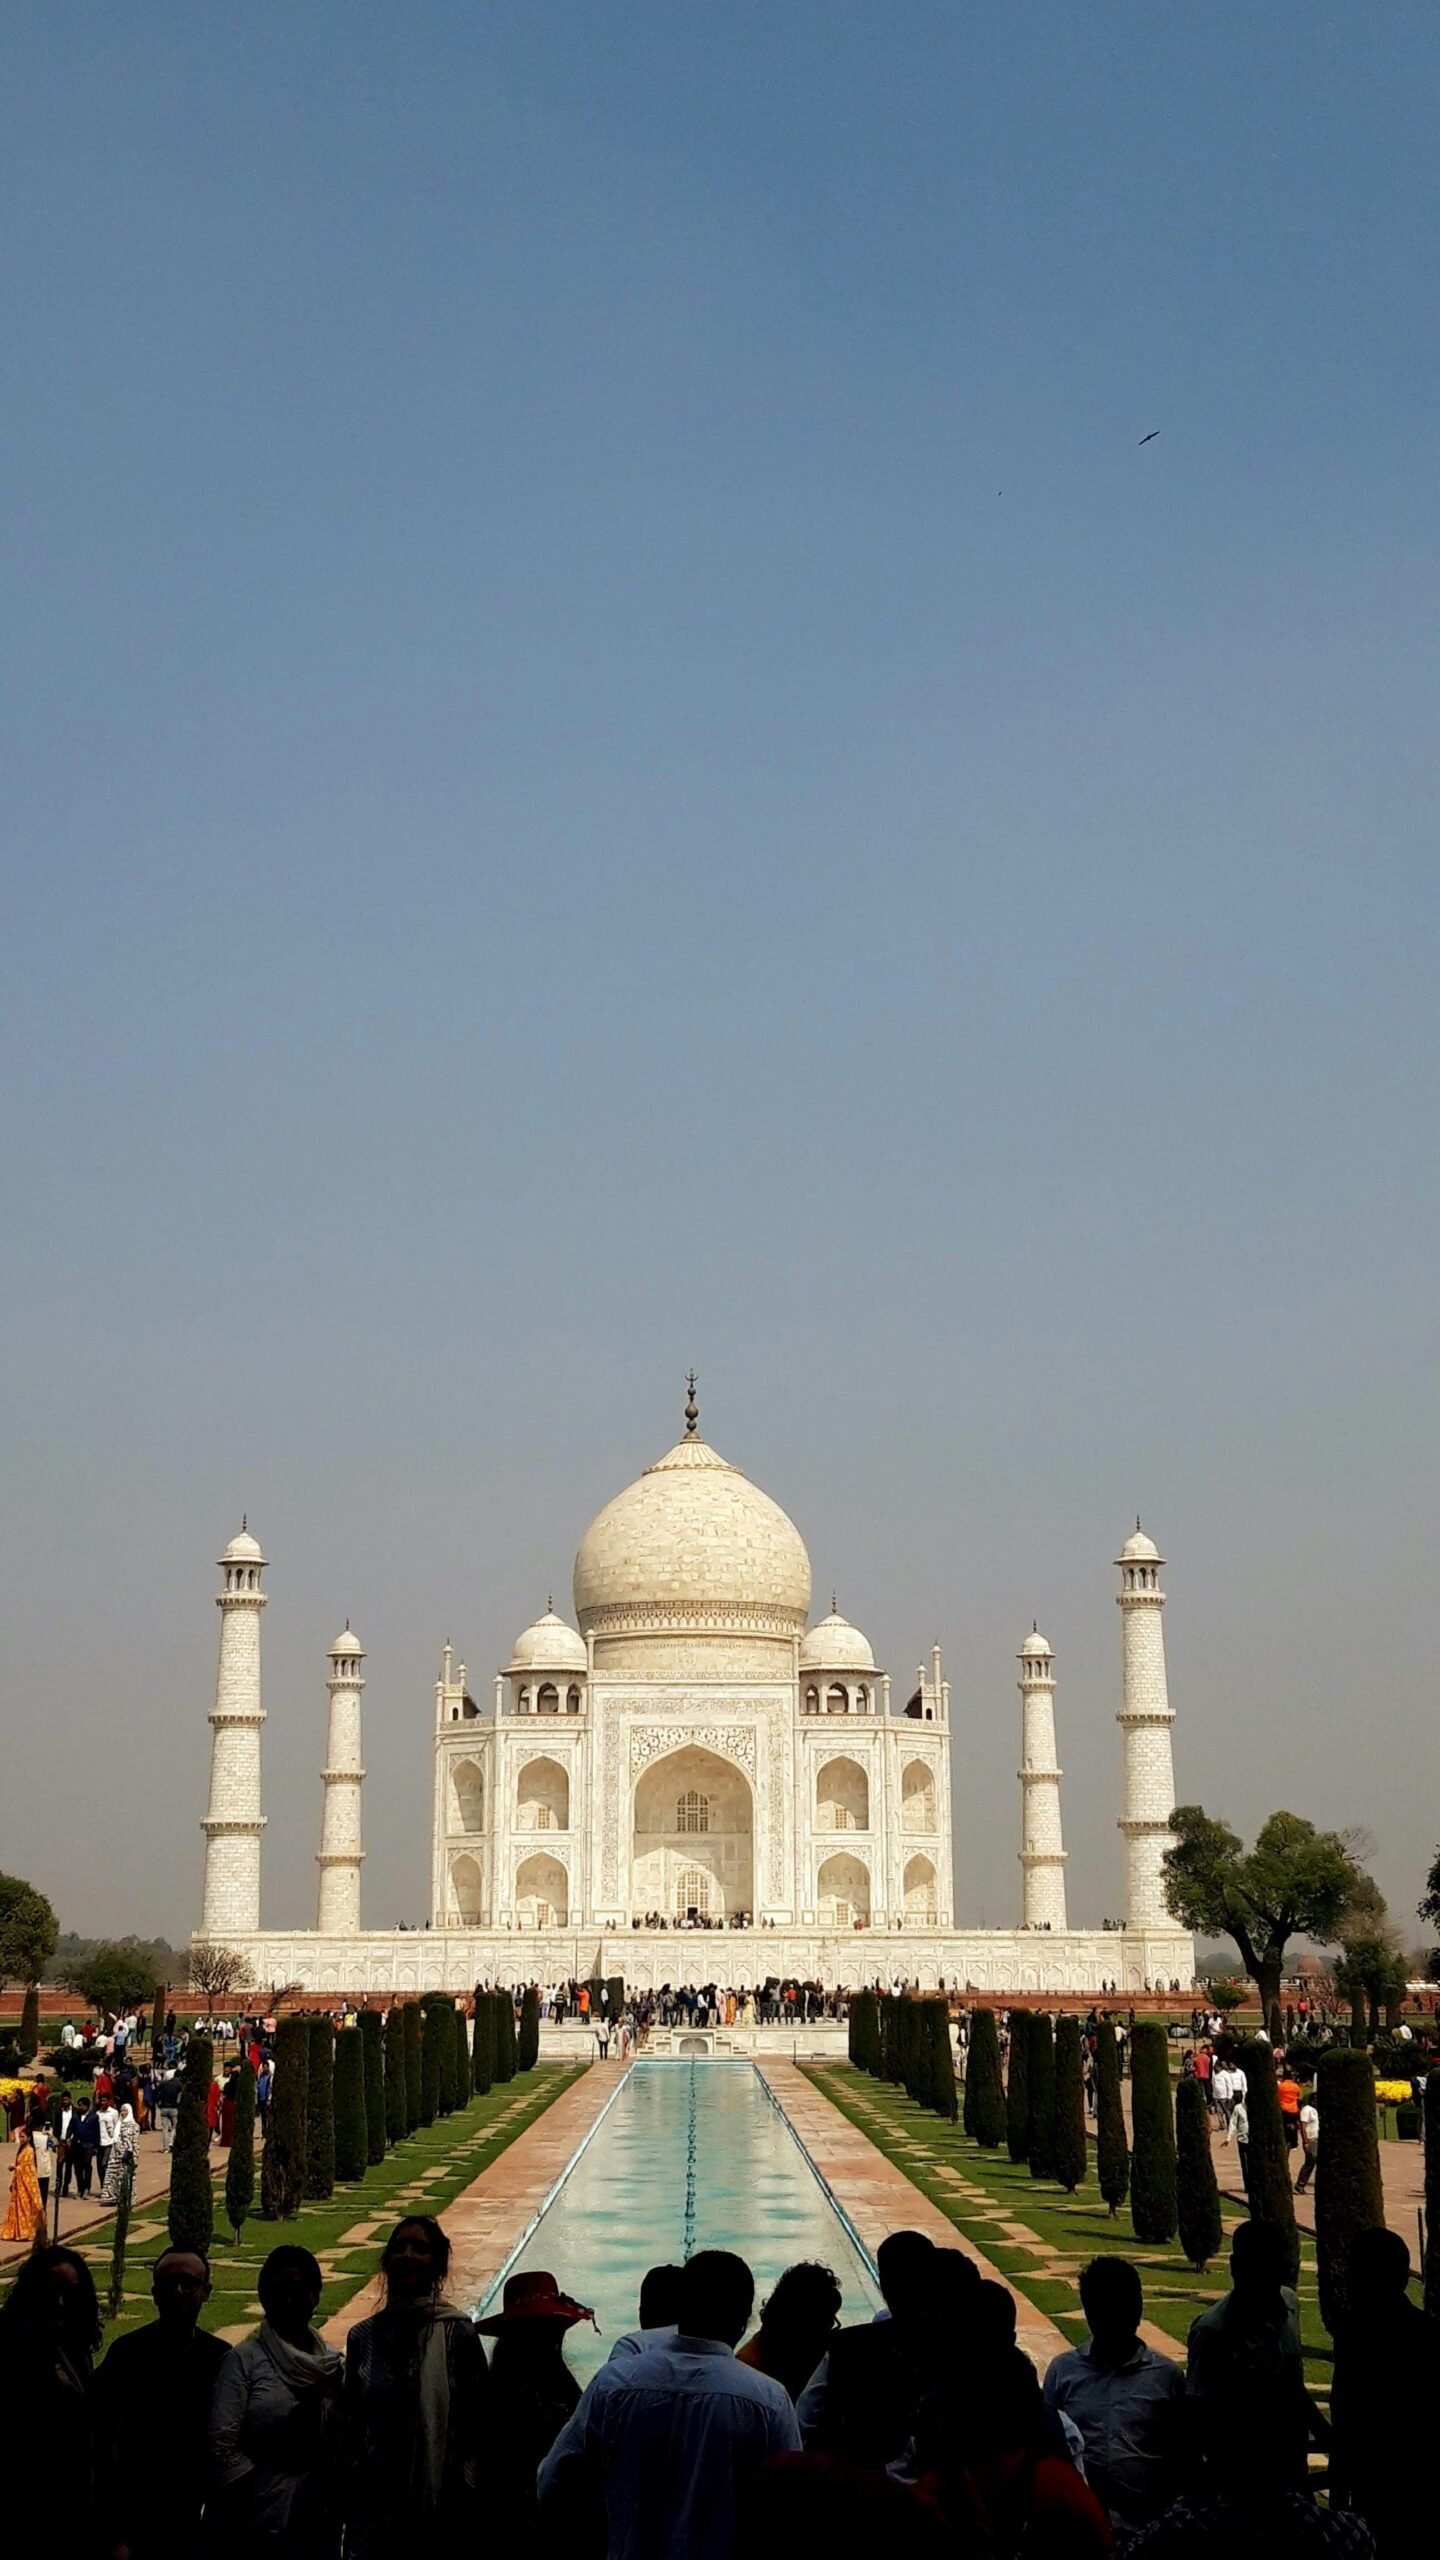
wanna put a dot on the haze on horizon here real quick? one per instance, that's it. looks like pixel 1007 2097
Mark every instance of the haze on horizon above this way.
pixel 618 756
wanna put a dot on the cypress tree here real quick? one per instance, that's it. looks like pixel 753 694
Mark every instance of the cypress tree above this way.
pixel 1271 2199
pixel 982 2077
pixel 1197 2197
pixel 1069 2149
pixel 192 2189
pixel 482 2048
pixel 394 2050
pixel 1432 2192
pixel 1152 2169
pixel 888 2005
pixel 1041 2152
pixel 352 2140
pixel 157 2018
pixel 946 2100
pixel 240 2168
pixel 431 2031
pixel 503 2013
pixel 1349 2197
pixel 528 2051
pixel 449 2059
pixel 372 2045
pixel 1112 2146
pixel 615 1985
pixel 29 2044
pixel 414 2073
pixel 282 2162
pixel 1017 2087
pixel 320 2111
pixel 870 2056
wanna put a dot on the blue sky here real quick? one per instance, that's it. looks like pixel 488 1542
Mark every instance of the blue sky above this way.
pixel 616 756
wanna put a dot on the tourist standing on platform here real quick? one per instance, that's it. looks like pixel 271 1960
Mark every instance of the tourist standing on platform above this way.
pixel 49 2331
pixel 25 2212
pixel 797 2326
pixel 659 2310
pixel 532 2393
pixel 166 2371
pixel 1309 2141
pixel 1386 2392
pixel 985 2459
pixel 1248 2343
pixel 1238 2131
pixel 107 2118
pixel 862 2400
pixel 416 2393
pixel 124 2152
pixel 85 2144
pixel 1125 2399
pixel 273 2423
pixel 671 2438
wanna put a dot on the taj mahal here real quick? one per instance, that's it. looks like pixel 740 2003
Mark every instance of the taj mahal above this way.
pixel 694 1782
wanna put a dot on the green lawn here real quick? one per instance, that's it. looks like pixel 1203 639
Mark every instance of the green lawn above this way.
pixel 982 2191
pixel 421 2175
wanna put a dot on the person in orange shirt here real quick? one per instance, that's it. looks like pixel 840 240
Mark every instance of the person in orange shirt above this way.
pixel 1288 2093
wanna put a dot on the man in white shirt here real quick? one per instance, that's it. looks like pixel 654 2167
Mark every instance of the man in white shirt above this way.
pixel 670 2437
pixel 1309 2141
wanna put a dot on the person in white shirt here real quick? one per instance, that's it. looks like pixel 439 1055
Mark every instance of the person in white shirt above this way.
pixel 109 2118
pixel 1309 2141
pixel 670 2437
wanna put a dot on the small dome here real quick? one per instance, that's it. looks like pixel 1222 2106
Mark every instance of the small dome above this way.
pixel 1034 1647
pixel 243 1549
pixel 1139 1549
pixel 549 1646
pixel 348 1642
pixel 835 1646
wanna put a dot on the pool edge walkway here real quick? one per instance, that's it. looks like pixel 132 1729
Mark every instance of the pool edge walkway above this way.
pixel 491 2216
pixel 876 2197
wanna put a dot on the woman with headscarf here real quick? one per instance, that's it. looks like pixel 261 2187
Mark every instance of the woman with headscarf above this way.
pixel 124 2151
pixel 25 2213
pixel 532 2392
pixel 415 2413
pixel 273 2423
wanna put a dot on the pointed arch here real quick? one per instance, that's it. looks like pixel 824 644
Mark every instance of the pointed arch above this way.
pixel 542 1797
pixel 842 1797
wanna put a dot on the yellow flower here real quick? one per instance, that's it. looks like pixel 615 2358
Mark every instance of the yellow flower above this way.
pixel 1396 2093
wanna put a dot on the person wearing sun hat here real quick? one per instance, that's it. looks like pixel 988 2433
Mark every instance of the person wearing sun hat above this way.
pixel 532 2389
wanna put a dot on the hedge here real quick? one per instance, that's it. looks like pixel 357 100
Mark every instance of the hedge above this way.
pixel 414 2074
pixel 984 2087
pixel 240 2168
pixel 528 2050
pixel 1069 2148
pixel 1152 2166
pixel 1017 2087
pixel 352 2140
pixel 1197 2196
pixel 1041 2147
pixel 1349 2196
pixel 1112 2143
pixel 372 2032
pixel 1271 2199
pixel 191 2214
pixel 282 2162
pixel 320 2111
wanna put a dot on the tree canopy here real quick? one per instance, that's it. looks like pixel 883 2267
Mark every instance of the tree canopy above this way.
pixel 28 1930
pixel 1295 1882
pixel 115 1977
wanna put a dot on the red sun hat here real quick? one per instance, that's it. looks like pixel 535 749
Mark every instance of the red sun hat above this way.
pixel 536 2296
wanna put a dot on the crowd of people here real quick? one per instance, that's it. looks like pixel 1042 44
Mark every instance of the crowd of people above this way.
pixel 924 2433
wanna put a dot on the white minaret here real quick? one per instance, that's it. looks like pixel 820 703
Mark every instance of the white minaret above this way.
pixel 1145 1720
pixel 340 1852
pixel 1042 1847
pixel 233 1825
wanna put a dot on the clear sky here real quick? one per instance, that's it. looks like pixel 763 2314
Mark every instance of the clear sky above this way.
pixel 617 755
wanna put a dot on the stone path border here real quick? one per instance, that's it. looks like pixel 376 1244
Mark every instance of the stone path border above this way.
pixel 875 2197
pixel 489 2218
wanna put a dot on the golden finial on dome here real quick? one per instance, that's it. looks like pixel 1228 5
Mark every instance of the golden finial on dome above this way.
pixel 692 1410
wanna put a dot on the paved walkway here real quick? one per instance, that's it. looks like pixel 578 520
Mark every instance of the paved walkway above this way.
pixel 877 2198
pixel 490 2218
pixel 80 2215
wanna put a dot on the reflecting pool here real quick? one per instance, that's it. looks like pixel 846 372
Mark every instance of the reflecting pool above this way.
pixel 689 2156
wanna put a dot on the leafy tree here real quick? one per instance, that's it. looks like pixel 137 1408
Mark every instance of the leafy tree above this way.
pixel 414 2064
pixel 352 2138
pixel 1349 2197
pixel 395 2108
pixel 1372 1977
pixel 282 2162
pixel 114 1978
pixel 1268 2168
pixel 431 2031
pixel 528 2051
pixel 1017 2087
pixel 28 1931
pixel 1296 1881
pixel 192 2190
pixel 1152 2166
pixel 320 2111
pixel 984 2087
pixel 1432 2193
pixel 240 2168
pixel 1069 2147
pixel 1428 1907
pixel 1112 2144
pixel 372 2036
pixel 504 2015
pixel 1197 2196
pixel 213 1971
pixel 482 2044
pixel 1042 2095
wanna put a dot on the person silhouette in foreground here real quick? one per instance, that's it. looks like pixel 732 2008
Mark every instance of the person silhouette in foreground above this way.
pixel 1251 2507
pixel 1386 2393
pixel 862 2400
pixel 1126 2400
pixel 797 2325
pixel 986 2458
pixel 170 2365
pixel 659 2304
pixel 415 2402
pixel 1249 2341
pixel 532 2393
pixel 671 2438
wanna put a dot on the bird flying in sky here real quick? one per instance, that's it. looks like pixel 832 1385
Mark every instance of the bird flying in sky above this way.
pixel 1151 436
